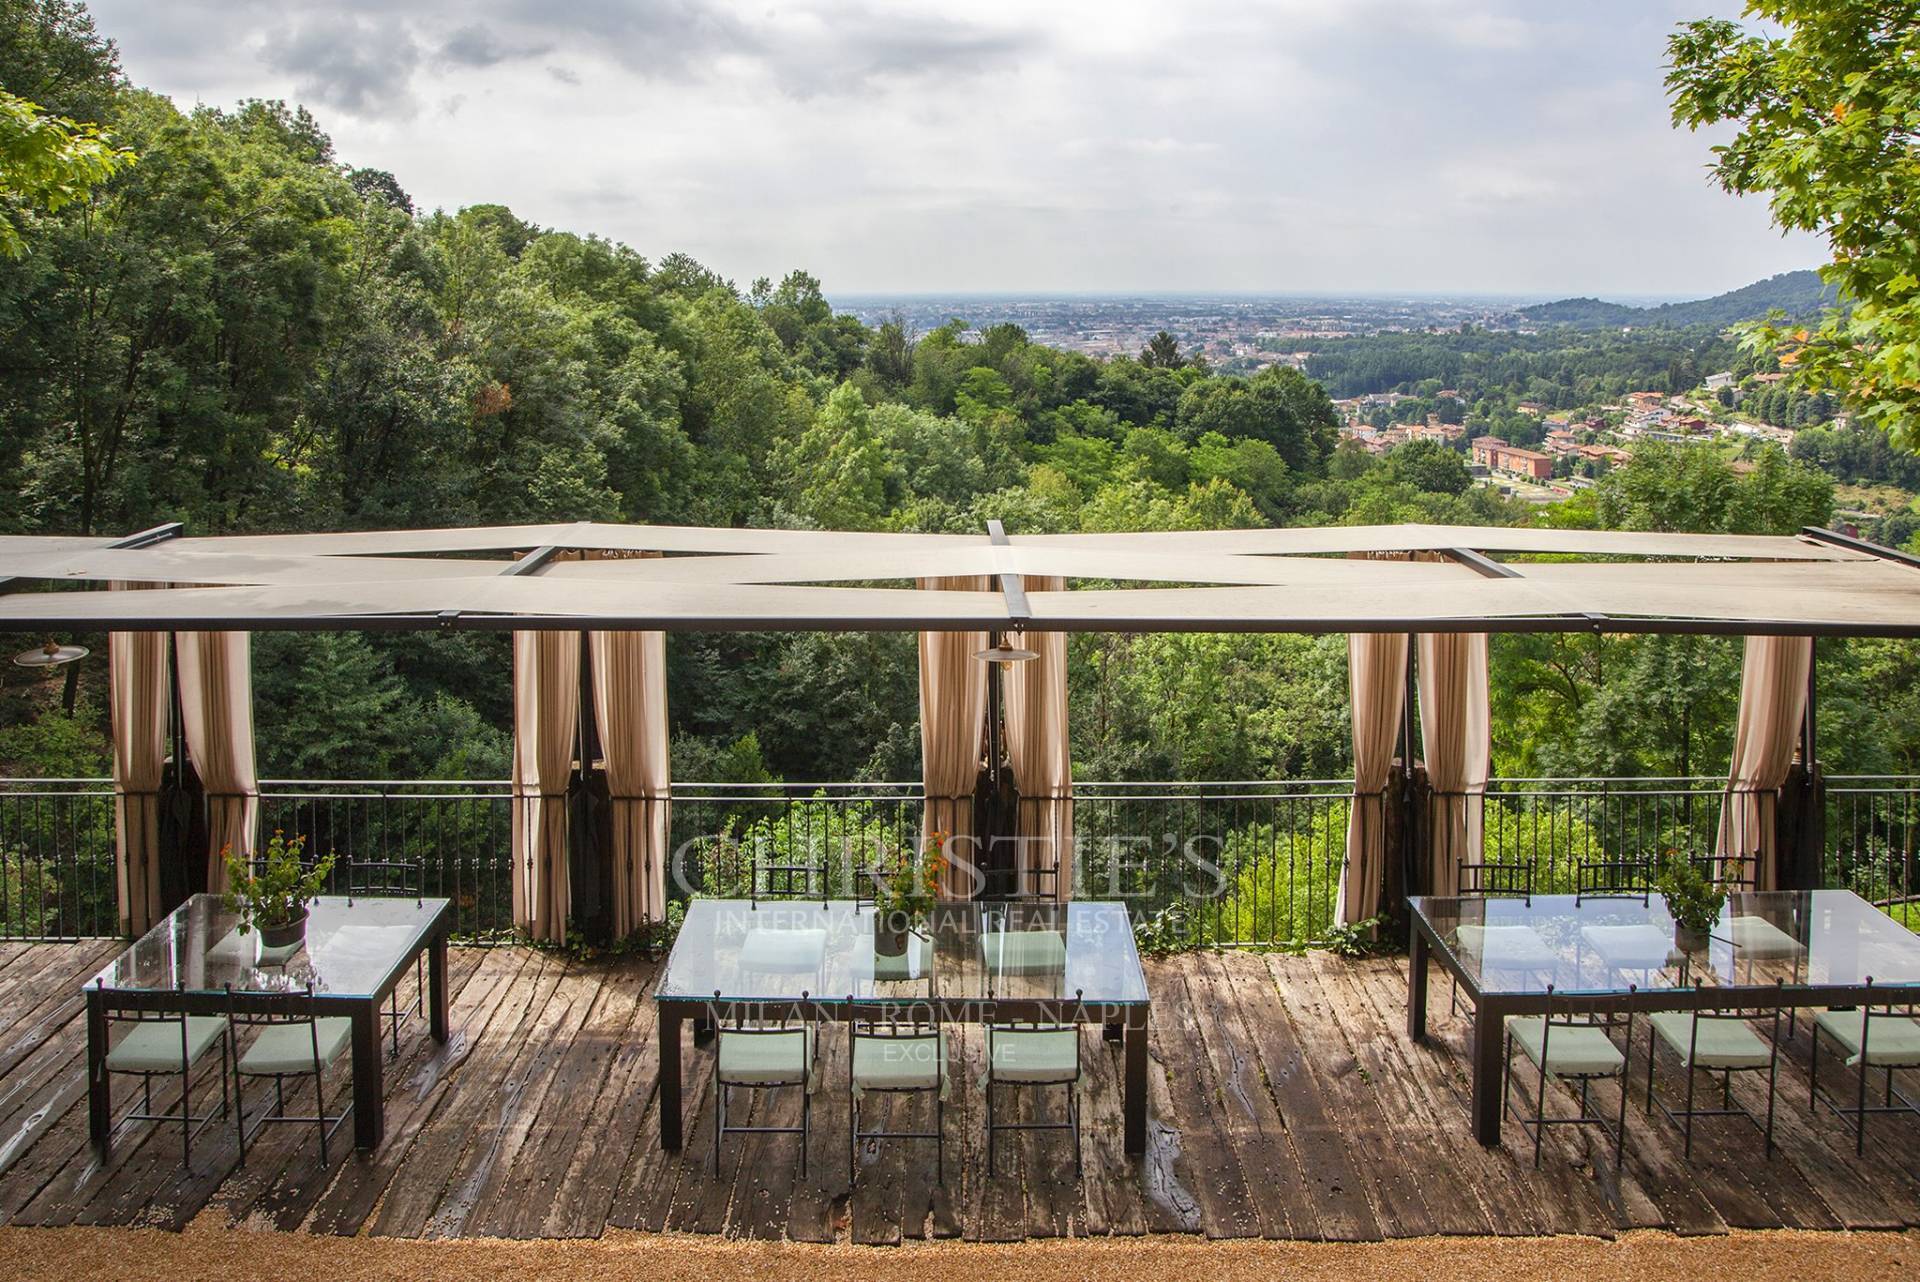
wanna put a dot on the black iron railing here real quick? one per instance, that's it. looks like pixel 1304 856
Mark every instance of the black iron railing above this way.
pixel 1221 862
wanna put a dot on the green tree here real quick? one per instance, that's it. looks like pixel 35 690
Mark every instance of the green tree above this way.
pixel 1825 98
pixel 47 162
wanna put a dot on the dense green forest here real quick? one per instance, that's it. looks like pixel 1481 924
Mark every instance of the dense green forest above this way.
pixel 245 332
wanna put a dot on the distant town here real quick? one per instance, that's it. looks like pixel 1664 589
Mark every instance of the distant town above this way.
pixel 1235 334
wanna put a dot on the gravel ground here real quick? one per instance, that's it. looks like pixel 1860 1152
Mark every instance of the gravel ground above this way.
pixel 113 1255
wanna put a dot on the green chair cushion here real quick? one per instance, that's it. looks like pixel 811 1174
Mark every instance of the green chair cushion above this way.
pixel 1892 1042
pixel 1024 952
pixel 900 1063
pixel 286 1050
pixel 783 952
pixel 153 1046
pixel 765 1059
pixel 1579 1050
pixel 1636 947
pixel 1507 947
pixel 1719 1043
pixel 1034 1055
pixel 1759 938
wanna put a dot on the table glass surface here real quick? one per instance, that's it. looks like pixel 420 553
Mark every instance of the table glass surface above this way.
pixel 352 946
pixel 1600 944
pixel 785 949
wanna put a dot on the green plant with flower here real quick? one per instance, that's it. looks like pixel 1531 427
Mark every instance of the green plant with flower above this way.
pixel 275 889
pixel 907 882
pixel 1693 901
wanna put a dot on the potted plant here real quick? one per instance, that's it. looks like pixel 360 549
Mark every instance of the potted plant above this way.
pixel 905 886
pixel 274 899
pixel 1693 901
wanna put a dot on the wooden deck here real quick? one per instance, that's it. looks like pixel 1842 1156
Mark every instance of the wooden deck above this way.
pixel 1286 1102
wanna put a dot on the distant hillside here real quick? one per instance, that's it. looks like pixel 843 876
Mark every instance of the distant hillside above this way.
pixel 1795 293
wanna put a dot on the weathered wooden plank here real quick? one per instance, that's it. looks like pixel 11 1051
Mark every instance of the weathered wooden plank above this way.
pixel 1229 1208
pixel 411 1101
pixel 1319 1142
pixel 1252 1121
pixel 502 1128
pixel 435 1158
pixel 1377 1152
pixel 613 1121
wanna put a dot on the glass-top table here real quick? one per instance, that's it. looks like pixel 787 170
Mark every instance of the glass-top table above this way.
pixel 1617 953
pixel 1073 962
pixel 196 960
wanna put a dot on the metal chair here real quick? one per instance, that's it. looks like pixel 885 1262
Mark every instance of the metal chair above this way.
pixel 1570 1048
pixel 295 1040
pixel 1715 1041
pixel 162 1044
pixel 902 1051
pixel 1497 881
pixel 1033 1053
pixel 1885 1037
pixel 754 1050
pixel 1613 879
pixel 393 878
pixel 776 879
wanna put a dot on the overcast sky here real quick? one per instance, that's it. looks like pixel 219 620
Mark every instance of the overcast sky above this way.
pixel 1492 146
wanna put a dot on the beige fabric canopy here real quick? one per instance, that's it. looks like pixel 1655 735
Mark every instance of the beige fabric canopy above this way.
pixel 1300 580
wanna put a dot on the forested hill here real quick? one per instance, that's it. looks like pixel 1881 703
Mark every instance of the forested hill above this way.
pixel 1795 293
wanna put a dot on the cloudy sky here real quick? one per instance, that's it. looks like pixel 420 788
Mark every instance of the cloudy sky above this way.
pixel 1492 146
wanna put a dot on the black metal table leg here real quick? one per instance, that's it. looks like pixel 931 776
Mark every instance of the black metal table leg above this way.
pixel 1417 986
pixel 99 1086
pixel 437 987
pixel 1488 1033
pixel 1135 1104
pixel 670 1020
pixel 369 1104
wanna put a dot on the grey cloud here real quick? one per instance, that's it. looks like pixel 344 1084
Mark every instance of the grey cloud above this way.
pixel 863 46
pixel 474 46
pixel 565 75
pixel 362 66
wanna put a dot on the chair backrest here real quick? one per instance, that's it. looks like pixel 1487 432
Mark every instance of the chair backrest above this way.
pixel 394 877
pixel 893 1021
pixel 1734 872
pixel 1496 881
pixel 1559 1014
pixel 294 1007
pixel 786 879
pixel 1880 1015
pixel 1614 879
pixel 136 1016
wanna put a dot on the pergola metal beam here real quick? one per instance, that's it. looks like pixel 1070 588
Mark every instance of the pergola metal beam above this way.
pixel 145 538
pixel 1855 544
pixel 1484 566
pixel 1011 585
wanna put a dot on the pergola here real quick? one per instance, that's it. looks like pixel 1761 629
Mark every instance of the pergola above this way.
pixel 589 604
pixel 1406 578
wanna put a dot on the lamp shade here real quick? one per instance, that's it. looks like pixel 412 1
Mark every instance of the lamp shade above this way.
pixel 51 655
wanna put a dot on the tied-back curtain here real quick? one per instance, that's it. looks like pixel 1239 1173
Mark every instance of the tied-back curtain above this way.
pixel 953 715
pixel 141 705
pixel 630 708
pixel 216 711
pixel 1455 741
pixel 546 724
pixel 1377 682
pixel 1773 703
pixel 1036 699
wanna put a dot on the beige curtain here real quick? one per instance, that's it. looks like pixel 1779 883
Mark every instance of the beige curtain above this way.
pixel 630 708
pixel 1455 743
pixel 141 703
pixel 1773 703
pixel 216 707
pixel 546 724
pixel 1036 711
pixel 1377 682
pixel 953 714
